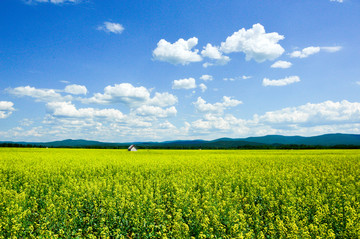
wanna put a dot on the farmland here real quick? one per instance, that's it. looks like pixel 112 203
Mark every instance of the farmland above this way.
pixel 92 193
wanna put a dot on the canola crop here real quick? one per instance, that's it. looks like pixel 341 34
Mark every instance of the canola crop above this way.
pixel 88 193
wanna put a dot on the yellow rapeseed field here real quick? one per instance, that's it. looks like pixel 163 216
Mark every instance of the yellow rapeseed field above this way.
pixel 88 193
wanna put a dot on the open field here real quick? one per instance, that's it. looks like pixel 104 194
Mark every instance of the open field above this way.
pixel 179 194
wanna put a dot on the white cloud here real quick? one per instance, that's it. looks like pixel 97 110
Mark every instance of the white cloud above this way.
pixel 308 119
pixel 19 133
pixel 255 43
pixel 321 113
pixel 179 52
pixel 236 78
pixel 331 49
pixel 121 93
pixel 134 129
pixel 215 123
pixel 52 1
pixel 26 122
pixel 358 82
pixel 6 109
pixel 306 52
pixel 65 119
pixel 246 77
pixel 281 82
pixel 218 107
pixel 213 52
pixel 67 109
pixel 166 125
pixel 229 79
pixel 206 78
pixel 131 96
pixel 341 1
pixel 203 87
pixel 207 64
pixel 76 89
pixel 111 27
pixel 281 64
pixel 163 99
pixel 45 95
pixel 186 84
pixel 211 124
pixel 155 111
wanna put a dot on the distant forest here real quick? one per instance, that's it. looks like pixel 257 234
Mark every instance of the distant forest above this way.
pixel 182 146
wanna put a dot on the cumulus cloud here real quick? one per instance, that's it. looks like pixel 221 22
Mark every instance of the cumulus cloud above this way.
pixel 64 119
pixel 155 111
pixel 44 95
pixel 211 52
pixel 281 64
pixel 213 124
pixel 206 78
pixel 308 119
pixel 145 122
pixel 255 43
pixel 67 109
pixel 52 1
pixel 111 27
pixel 306 52
pixel 121 93
pixel 343 111
pixel 6 109
pixel 166 125
pixel 236 78
pixel 131 129
pixel 179 52
pixel 214 53
pixel 186 84
pixel 163 99
pixel 203 87
pixel 76 89
pixel 218 107
pixel 281 82
pixel 133 97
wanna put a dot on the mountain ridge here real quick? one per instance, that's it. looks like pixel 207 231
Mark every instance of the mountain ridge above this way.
pixel 325 140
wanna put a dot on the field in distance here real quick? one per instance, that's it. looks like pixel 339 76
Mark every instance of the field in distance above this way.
pixel 179 194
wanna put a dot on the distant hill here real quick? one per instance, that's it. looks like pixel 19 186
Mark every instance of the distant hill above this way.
pixel 268 141
pixel 73 143
pixel 70 143
pixel 324 140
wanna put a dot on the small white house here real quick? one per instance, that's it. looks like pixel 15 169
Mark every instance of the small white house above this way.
pixel 132 148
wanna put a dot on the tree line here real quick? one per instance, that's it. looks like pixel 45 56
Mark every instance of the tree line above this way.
pixel 182 146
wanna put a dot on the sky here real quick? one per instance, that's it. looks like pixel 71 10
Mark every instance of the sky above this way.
pixel 156 70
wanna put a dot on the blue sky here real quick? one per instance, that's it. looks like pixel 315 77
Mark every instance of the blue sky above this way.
pixel 125 71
